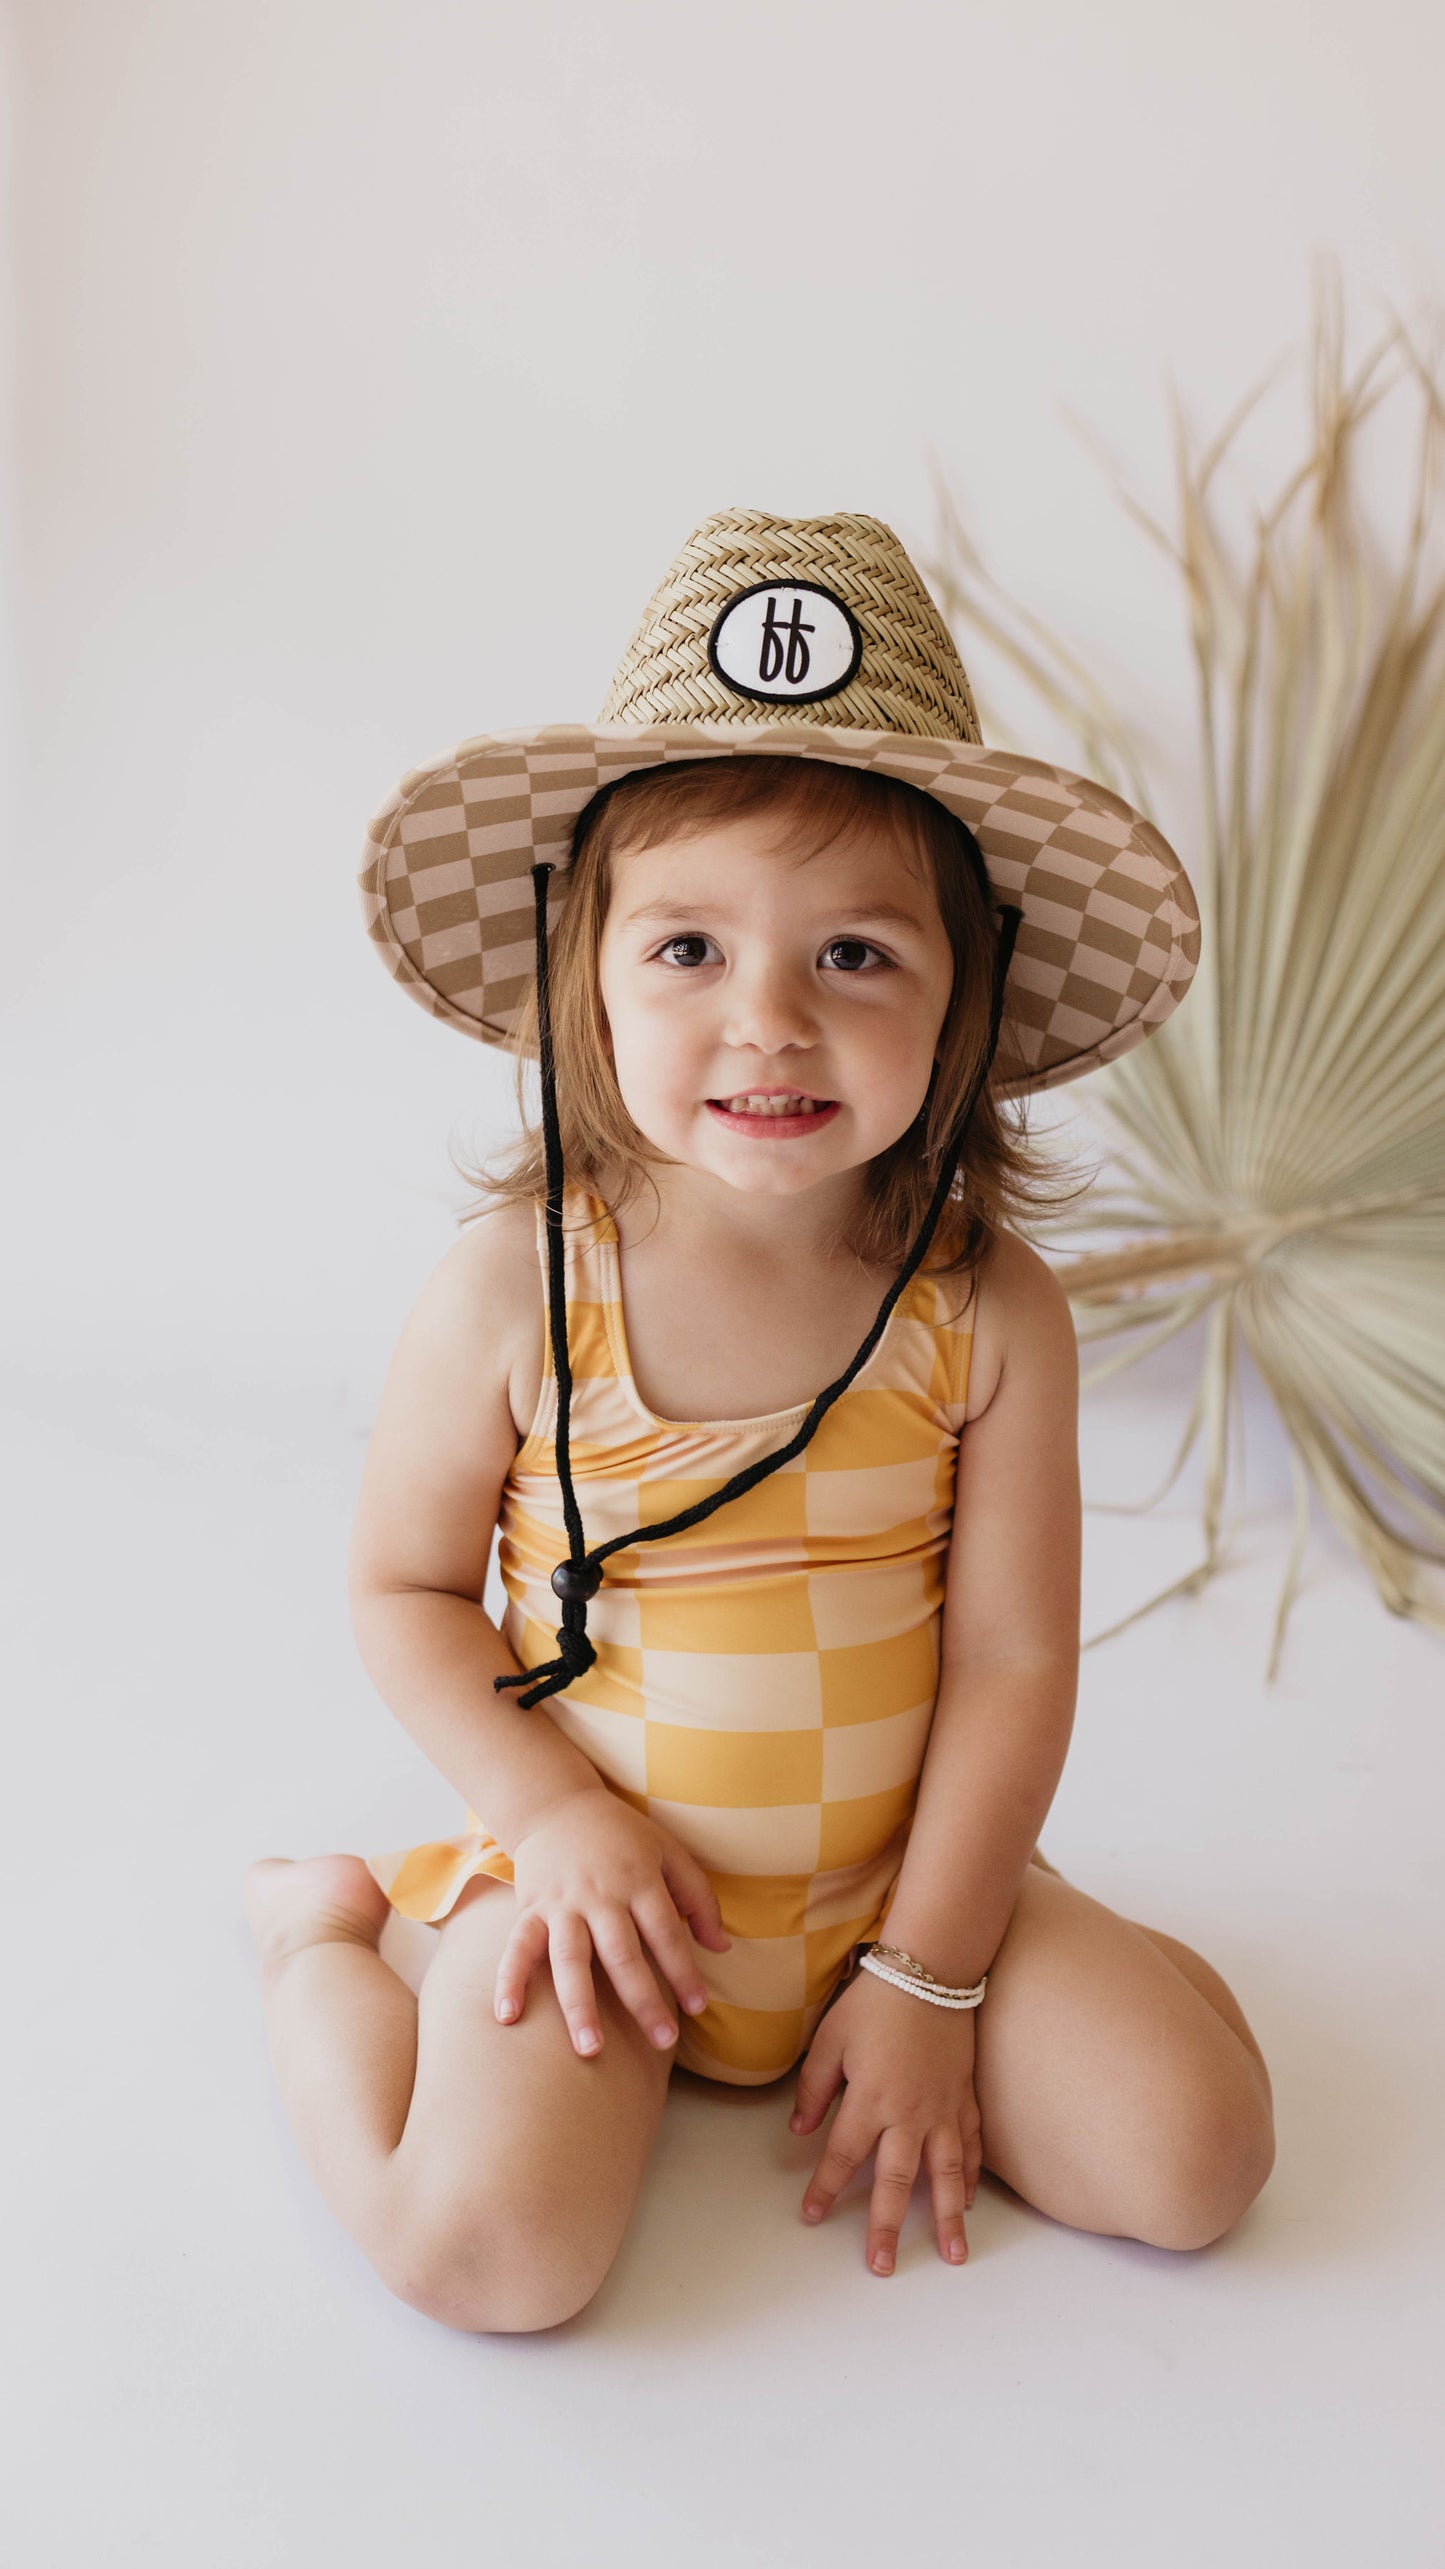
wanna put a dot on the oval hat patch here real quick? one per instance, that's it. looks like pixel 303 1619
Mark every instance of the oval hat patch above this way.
pixel 785 642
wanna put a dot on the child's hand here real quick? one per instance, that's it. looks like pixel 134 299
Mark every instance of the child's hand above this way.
pixel 909 2073
pixel 589 1875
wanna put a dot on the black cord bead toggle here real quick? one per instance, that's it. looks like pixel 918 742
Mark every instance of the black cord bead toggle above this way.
pixel 576 1580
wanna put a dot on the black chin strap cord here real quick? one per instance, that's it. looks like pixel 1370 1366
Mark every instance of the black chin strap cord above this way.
pixel 578 1578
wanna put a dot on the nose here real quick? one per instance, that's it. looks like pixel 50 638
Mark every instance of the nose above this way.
pixel 771 1008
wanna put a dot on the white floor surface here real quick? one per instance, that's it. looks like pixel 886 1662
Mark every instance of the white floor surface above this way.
pixel 206 2371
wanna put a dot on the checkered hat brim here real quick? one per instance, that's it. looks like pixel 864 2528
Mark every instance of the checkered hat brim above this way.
pixel 1107 947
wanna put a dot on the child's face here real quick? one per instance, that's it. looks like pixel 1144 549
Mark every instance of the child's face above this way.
pixel 730 968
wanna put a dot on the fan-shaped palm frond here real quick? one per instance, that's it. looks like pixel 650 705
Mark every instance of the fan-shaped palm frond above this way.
pixel 1279 1145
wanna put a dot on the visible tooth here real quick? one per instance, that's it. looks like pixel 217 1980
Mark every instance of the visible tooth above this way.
pixel 771 1105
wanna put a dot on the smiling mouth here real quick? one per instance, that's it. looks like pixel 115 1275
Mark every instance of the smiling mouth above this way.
pixel 771 1101
pixel 773 1115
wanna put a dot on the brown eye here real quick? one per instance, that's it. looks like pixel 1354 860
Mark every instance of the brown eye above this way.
pixel 849 954
pixel 685 950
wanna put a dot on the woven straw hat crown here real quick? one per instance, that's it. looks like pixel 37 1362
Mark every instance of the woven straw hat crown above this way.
pixel 908 677
pixel 810 638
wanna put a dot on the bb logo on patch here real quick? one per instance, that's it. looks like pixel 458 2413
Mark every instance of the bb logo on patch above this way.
pixel 785 642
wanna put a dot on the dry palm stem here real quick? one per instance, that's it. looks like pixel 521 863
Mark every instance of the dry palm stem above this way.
pixel 1281 1141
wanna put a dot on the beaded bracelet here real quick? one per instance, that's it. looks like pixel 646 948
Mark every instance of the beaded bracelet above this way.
pixel 912 1976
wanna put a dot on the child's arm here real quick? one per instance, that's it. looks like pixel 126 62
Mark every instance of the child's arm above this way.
pixel 592 1874
pixel 440 1449
pixel 1010 1659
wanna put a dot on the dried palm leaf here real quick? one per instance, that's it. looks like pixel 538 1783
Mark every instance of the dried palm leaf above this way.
pixel 1279 1145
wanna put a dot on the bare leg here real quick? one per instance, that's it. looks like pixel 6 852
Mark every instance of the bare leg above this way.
pixel 341 2024
pixel 1200 1974
pixel 1120 2087
pixel 487 2171
pixel 521 2162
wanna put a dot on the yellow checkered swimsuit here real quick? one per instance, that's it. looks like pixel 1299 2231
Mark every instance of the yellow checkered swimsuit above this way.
pixel 764 1682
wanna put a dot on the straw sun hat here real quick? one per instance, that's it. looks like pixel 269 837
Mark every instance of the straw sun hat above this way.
pixel 815 638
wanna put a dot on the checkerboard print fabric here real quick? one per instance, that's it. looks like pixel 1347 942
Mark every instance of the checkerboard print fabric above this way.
pixel 1110 933
pixel 764 1682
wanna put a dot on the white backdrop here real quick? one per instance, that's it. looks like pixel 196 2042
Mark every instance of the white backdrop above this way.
pixel 365 363
pixel 371 364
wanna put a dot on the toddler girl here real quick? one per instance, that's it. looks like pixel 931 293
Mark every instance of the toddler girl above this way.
pixel 775 1416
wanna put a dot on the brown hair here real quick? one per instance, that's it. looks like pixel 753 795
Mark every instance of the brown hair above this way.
pixel 1001 1175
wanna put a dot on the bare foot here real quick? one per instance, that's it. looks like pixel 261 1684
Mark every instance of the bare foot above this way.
pixel 322 1899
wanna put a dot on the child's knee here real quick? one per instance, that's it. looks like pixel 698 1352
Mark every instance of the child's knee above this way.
pixel 492 2266
pixel 1209 2162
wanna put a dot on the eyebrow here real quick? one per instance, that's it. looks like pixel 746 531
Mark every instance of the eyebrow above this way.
pixel 865 913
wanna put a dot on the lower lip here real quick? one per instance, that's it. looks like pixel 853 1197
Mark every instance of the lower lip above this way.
pixel 774 1128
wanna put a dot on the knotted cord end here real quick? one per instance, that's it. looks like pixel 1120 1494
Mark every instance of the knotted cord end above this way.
pixel 575 1655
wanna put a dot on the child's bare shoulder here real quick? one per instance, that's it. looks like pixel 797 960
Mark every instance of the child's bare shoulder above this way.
pixel 479 1317
pixel 1021 1313
pixel 445 1433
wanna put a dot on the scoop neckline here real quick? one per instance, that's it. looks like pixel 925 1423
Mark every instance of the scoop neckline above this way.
pixel 610 1244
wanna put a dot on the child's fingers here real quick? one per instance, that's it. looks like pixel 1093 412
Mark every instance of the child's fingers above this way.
pixel 571 1959
pixel 848 2146
pixel 818 2083
pixel 659 1922
pixel 694 1895
pixel 898 2156
pixel 521 1954
pixel 945 2160
pixel 621 1955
